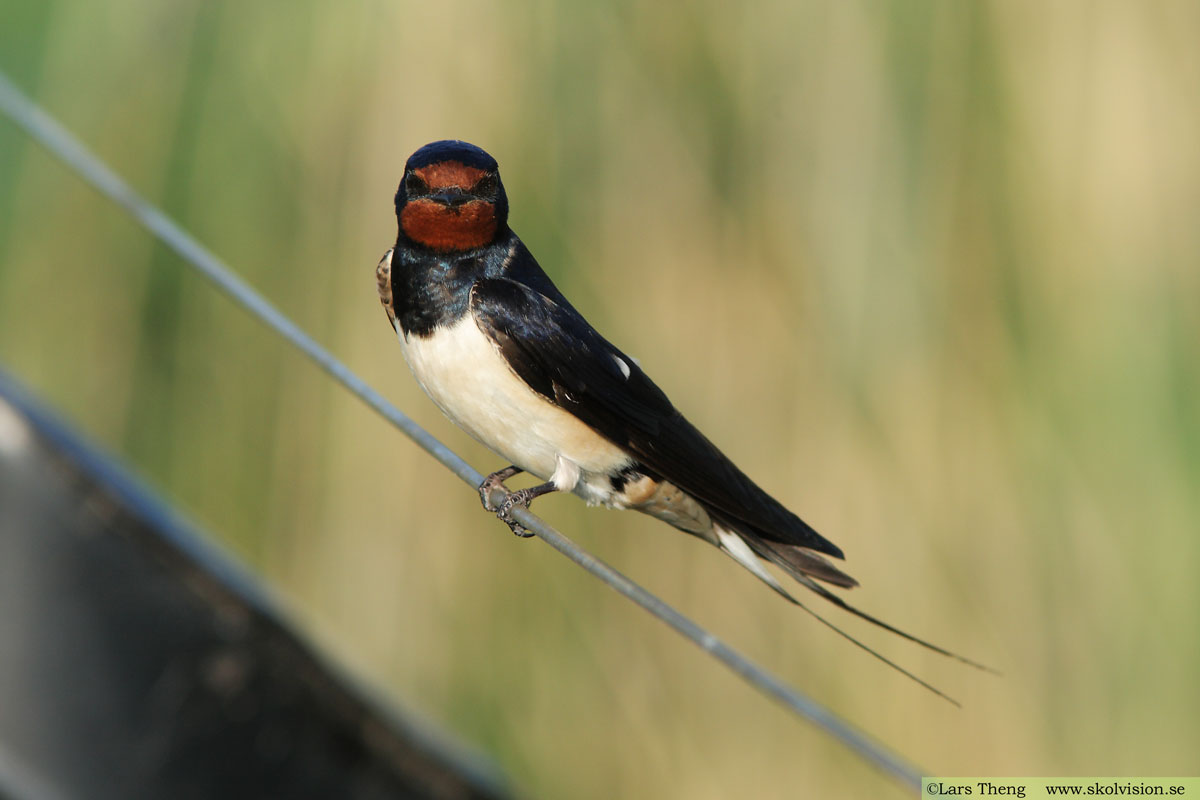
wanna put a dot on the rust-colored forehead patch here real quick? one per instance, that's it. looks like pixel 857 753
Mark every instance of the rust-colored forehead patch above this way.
pixel 449 173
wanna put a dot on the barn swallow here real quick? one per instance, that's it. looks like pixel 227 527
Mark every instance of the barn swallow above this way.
pixel 506 357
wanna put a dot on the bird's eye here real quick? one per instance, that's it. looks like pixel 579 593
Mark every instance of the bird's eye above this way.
pixel 414 186
pixel 485 186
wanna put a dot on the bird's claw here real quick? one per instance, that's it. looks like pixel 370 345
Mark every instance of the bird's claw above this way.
pixel 517 499
pixel 490 484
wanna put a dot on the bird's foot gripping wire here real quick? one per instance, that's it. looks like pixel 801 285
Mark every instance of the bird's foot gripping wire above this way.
pixel 493 482
pixel 518 499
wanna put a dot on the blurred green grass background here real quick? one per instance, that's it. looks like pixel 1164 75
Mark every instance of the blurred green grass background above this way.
pixel 928 271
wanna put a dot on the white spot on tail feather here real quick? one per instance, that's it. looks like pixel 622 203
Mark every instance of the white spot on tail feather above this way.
pixel 733 544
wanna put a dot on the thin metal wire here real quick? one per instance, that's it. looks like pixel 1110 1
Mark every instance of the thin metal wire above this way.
pixel 51 135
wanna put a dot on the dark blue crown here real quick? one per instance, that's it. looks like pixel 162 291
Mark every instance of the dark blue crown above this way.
pixel 451 150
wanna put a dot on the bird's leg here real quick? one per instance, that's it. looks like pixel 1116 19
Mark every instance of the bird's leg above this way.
pixel 518 499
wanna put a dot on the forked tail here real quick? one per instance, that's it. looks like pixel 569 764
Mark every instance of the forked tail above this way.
pixel 804 566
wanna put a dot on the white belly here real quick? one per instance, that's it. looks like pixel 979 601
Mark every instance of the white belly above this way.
pixel 464 374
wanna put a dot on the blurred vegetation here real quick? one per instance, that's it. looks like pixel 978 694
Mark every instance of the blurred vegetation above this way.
pixel 927 270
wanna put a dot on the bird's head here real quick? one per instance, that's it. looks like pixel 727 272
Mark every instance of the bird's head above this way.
pixel 451 198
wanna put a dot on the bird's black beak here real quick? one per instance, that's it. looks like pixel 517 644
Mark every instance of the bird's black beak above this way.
pixel 451 196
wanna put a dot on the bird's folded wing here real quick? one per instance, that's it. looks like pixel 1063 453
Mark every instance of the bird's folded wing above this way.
pixel 561 357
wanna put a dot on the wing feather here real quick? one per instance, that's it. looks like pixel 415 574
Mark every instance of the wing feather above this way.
pixel 554 350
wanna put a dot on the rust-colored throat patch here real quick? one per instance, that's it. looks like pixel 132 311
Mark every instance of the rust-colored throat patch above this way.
pixel 449 228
